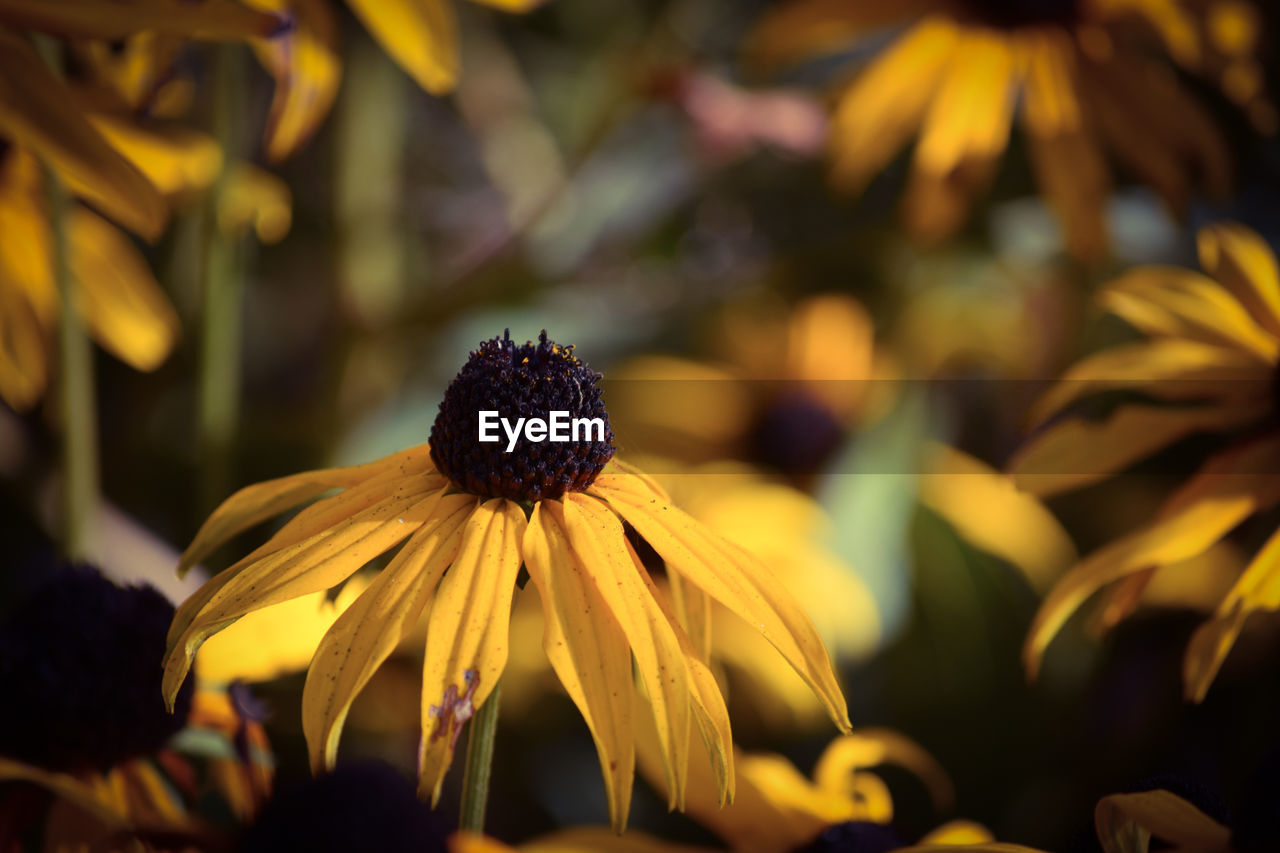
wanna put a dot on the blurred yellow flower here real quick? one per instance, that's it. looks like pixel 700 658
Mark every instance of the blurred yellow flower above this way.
pixel 1078 73
pixel 123 306
pixel 479 513
pixel 421 36
pixel 221 752
pixel 1210 365
pixel 778 809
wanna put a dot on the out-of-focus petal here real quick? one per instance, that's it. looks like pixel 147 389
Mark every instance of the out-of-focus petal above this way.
pixel 1257 589
pixel 67 787
pixel 1239 260
pixel 124 307
pixel 1067 160
pixel 175 160
pixel 255 198
pixel 369 630
pixel 23 349
pixel 848 755
pixel 959 832
pixel 1164 815
pixel 794 31
pixel 588 650
pixel 420 35
pixel 1177 303
pixel 38 113
pixel 208 19
pixel 1228 489
pixel 988 511
pixel 1166 368
pixel 470 622
pixel 887 103
pixel 1075 452
pixel 306 68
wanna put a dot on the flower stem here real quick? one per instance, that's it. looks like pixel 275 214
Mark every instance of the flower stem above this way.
pixel 220 367
pixel 79 439
pixel 475 784
pixel 75 390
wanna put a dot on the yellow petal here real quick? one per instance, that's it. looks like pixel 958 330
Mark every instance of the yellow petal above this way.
pixel 1076 452
pixel 320 562
pixel 67 787
pixel 959 832
pixel 1165 368
pixel 1257 589
pixel 587 839
pixel 254 198
pixel 208 19
pixel 887 103
pixel 512 5
pixel 123 305
pixel 1124 821
pixel 1178 303
pixel 306 68
pixel 846 756
pixel 790 32
pixel 371 628
pixel 38 113
pixel 693 609
pixel 989 512
pixel 420 35
pixel 176 160
pixel 984 847
pixel 588 650
pixel 733 578
pixel 600 544
pixel 468 627
pixel 1228 489
pixel 1243 263
pixel 23 349
pixel 255 504
pixel 1068 162
pixel 971 112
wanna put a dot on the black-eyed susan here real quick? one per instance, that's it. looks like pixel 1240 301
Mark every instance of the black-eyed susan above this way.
pixel 1209 366
pixel 421 37
pixel 470 515
pixel 1080 75
pixel 83 720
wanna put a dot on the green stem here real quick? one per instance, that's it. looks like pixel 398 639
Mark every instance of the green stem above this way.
pixel 75 366
pixel 223 297
pixel 475 784
pixel 75 390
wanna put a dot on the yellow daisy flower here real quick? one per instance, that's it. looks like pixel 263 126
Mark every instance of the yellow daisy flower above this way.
pixel 1209 366
pixel 1077 73
pixel 470 515
pixel 421 36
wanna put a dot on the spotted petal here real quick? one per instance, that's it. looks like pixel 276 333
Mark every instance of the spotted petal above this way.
pixel 370 629
pixel 468 628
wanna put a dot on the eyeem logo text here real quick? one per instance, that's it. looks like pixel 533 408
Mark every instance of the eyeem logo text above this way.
pixel 558 427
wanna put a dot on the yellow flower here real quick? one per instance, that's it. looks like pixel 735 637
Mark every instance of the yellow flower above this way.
pixel 123 306
pixel 1210 364
pixel 421 36
pixel 157 795
pixel 459 506
pixel 1073 73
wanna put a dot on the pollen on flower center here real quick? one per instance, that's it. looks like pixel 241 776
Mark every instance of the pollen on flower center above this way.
pixel 526 381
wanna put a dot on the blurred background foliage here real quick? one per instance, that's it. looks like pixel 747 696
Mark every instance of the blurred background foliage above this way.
pixel 616 174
